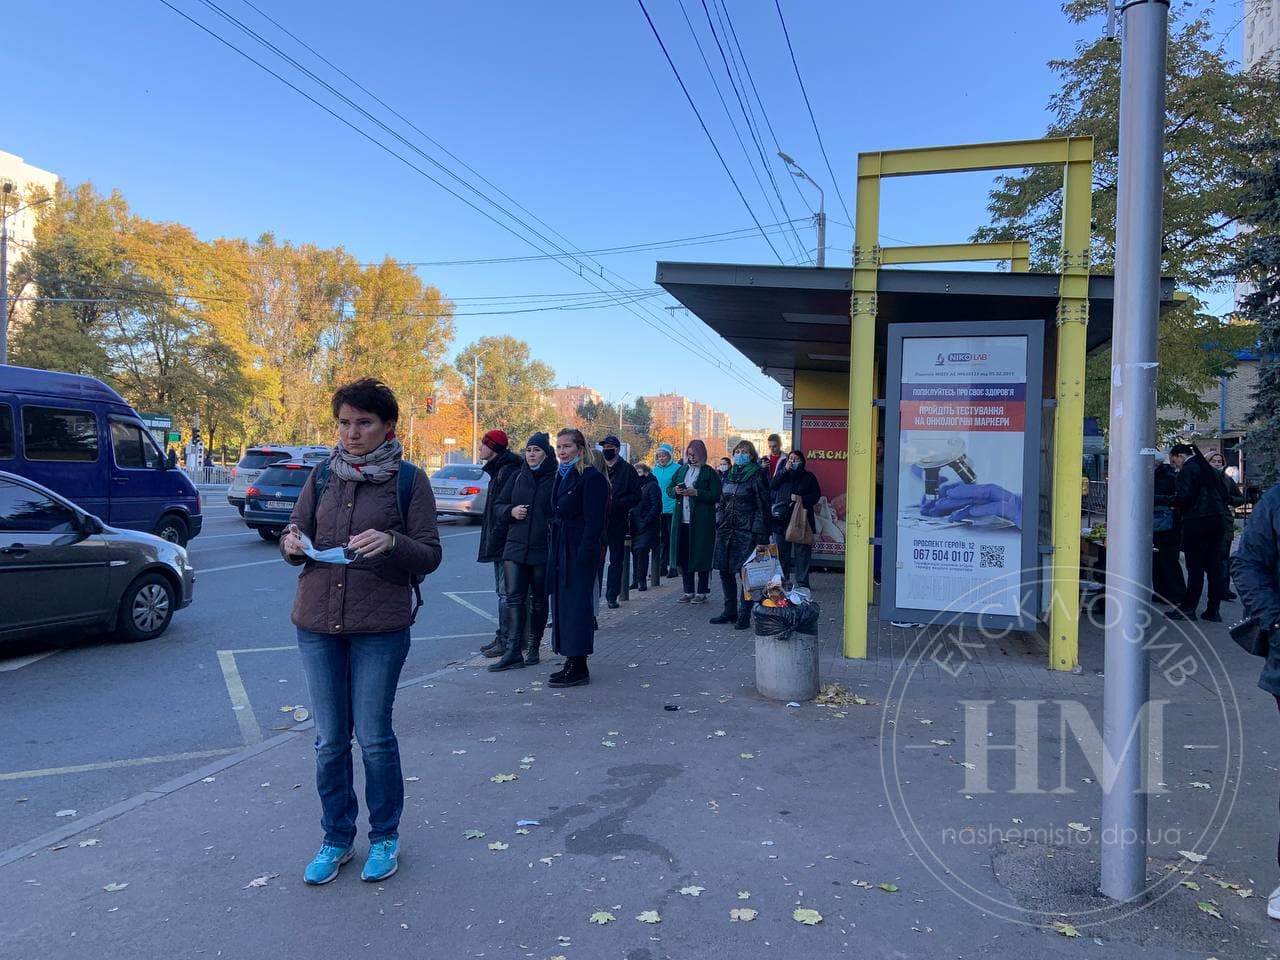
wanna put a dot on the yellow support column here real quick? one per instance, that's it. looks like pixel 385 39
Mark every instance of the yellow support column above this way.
pixel 1068 431
pixel 860 496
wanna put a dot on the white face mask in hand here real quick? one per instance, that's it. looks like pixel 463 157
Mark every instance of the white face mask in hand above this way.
pixel 334 555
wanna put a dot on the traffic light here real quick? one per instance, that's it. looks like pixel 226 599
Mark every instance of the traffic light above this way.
pixel 431 404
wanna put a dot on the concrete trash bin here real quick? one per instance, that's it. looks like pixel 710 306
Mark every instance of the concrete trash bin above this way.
pixel 787 651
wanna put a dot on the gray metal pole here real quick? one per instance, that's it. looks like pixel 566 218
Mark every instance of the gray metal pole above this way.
pixel 475 407
pixel 4 290
pixel 1132 436
pixel 822 236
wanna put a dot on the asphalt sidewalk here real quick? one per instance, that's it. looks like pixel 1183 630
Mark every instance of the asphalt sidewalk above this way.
pixel 680 816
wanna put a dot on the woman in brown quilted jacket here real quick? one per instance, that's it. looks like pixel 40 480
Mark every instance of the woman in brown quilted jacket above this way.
pixel 364 541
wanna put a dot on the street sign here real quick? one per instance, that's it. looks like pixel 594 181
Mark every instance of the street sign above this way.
pixel 173 436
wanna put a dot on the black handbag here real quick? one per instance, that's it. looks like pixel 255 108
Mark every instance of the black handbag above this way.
pixel 1250 637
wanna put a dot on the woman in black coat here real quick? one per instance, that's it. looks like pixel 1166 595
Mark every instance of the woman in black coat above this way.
pixel 742 528
pixel 525 506
pixel 790 485
pixel 645 519
pixel 579 502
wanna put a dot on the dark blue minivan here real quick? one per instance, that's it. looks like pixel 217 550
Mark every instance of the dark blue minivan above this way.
pixel 79 438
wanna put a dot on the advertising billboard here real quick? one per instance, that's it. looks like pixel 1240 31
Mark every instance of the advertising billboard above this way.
pixel 823 436
pixel 963 436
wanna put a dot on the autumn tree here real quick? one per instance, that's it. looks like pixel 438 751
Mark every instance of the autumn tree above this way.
pixel 514 389
pixel 1210 108
pixel 1257 264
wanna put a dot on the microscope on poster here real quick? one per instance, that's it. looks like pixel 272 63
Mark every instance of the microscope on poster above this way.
pixel 932 455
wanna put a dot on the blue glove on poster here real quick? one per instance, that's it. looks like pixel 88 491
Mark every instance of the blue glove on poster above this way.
pixel 974 501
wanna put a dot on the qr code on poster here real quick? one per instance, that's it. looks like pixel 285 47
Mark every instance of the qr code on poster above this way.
pixel 991 555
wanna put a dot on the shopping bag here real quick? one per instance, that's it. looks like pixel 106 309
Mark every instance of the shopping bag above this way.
pixel 798 529
pixel 760 568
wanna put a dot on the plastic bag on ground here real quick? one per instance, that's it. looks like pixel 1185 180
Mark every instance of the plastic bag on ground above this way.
pixel 781 622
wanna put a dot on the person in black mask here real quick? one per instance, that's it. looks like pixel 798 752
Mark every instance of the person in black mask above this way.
pixel 1201 499
pixel 526 504
pixel 624 483
pixel 645 522
pixel 793 484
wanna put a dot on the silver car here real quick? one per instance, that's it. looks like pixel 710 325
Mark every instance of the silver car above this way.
pixel 461 490
pixel 61 568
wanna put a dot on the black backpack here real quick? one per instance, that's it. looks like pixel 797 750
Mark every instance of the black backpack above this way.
pixel 405 478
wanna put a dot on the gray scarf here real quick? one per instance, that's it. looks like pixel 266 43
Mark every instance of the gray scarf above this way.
pixel 378 466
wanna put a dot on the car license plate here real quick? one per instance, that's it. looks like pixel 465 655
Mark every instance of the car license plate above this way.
pixel 279 505
pixel 443 491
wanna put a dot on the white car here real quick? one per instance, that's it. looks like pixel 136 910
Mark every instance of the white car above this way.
pixel 257 459
pixel 460 490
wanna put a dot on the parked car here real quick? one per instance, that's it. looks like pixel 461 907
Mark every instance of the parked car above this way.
pixel 460 489
pixel 270 499
pixel 257 459
pixel 78 437
pixel 62 567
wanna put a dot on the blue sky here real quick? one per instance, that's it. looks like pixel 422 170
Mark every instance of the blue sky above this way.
pixel 568 107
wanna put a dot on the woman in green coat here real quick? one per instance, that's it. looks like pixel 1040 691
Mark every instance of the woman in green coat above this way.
pixel 696 489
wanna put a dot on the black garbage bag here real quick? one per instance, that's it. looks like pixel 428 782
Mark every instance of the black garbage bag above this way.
pixel 781 622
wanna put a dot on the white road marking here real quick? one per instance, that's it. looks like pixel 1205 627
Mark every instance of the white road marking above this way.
pixel 239 566
pixel 114 764
pixel 469 533
pixel 222 536
pixel 17 663
pixel 454 596
pixel 249 728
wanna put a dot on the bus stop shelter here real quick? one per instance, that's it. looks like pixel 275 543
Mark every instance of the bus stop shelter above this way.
pixel 840 343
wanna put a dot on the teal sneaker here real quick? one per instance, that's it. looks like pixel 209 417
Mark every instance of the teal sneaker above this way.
pixel 326 864
pixel 384 860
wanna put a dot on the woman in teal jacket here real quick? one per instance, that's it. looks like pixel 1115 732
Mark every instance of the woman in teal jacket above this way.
pixel 695 489
pixel 664 468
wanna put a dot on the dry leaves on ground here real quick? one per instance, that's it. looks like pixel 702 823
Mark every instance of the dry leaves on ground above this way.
pixel 498 845
pixel 649 916
pixel 743 914
pixel 806 916
pixel 1066 929
pixel 504 777
pixel 114 887
pixel 261 881
pixel 473 834
pixel 691 891
pixel 601 917
pixel 1209 907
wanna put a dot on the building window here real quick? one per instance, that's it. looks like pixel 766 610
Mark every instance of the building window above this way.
pixel 50 433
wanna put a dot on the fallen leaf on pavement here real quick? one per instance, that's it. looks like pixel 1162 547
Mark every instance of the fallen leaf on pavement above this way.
pixel 473 834
pixel 719 733
pixel 489 740
pixel 91 842
pixel 744 894
pixel 806 916
pixel 522 832
pixel 888 887
pixel 649 916
pixel 458 753
pixel 529 759
pixel 1207 906
pixel 1190 885
pixel 261 881
pixel 498 845
pixel 1192 856
pixel 65 813
pixel 504 777
pixel 607 743
pixel 1066 929
pixel 743 914
pixel 693 891
pixel 967 765
pixel 1074 825
pixel 747 756
pixel 601 917
pixel 412 779
pixel 1200 785
pixel 114 887
pixel 941 743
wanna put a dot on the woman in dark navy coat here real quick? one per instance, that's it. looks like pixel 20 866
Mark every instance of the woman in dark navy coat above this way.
pixel 579 502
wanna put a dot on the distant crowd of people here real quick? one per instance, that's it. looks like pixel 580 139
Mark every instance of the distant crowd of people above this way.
pixel 561 537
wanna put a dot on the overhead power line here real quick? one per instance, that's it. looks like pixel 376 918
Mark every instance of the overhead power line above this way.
pixel 702 123
pixel 573 260
pixel 812 119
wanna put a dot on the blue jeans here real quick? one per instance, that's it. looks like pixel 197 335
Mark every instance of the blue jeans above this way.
pixel 352 680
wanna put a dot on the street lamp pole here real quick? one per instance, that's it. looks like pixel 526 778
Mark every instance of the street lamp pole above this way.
pixel 1126 690
pixel 620 403
pixel 475 406
pixel 822 206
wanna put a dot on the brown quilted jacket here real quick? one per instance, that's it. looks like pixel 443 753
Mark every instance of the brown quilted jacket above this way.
pixel 367 596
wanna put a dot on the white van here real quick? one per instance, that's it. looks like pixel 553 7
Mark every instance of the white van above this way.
pixel 257 459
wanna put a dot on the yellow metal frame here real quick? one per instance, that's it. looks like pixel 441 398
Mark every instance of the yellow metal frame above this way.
pixel 1017 252
pixel 1075 156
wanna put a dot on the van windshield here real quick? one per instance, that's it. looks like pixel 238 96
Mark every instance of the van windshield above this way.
pixel 257 459
pixel 458 473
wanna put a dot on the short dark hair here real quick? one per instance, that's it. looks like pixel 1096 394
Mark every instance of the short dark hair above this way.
pixel 1181 450
pixel 799 453
pixel 772 437
pixel 369 394
pixel 751 449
